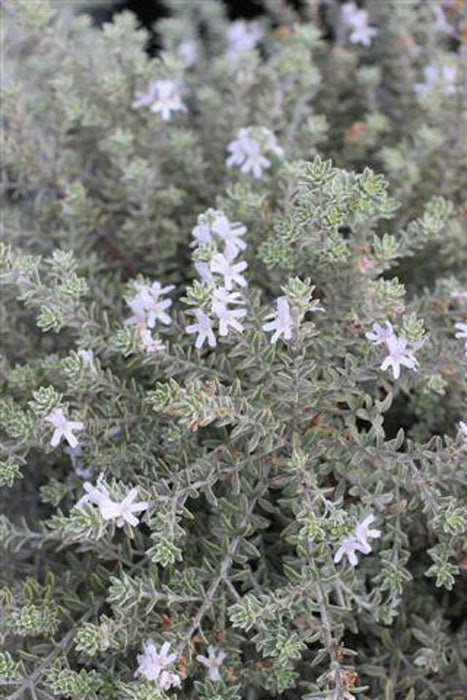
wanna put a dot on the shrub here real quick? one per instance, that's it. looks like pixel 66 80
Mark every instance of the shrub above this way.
pixel 233 455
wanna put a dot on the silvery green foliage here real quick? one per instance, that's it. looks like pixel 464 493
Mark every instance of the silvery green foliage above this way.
pixel 234 301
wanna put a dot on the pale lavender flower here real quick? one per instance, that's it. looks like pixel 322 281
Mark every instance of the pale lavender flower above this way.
pixel 398 355
pixel 248 150
pixel 96 495
pixel 154 665
pixel 87 358
pixel 228 318
pixel 438 78
pixel 149 306
pixel 357 541
pixel 220 295
pixel 148 342
pixel 123 511
pixel 356 20
pixel 162 97
pixel 349 546
pixel 212 662
pixel 242 36
pixel 214 225
pixel 461 330
pixel 282 321
pixel 63 428
pixel 380 333
pixel 203 271
pixel 230 271
pixel 187 52
pixel 363 531
pixel 203 327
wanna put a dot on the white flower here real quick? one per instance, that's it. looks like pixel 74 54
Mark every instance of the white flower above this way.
pixel 187 52
pixel 440 23
pixel 398 355
pixel 213 224
pixel 440 78
pixel 463 428
pixel 248 150
pixel 63 428
pixel 363 532
pixel 380 333
pixel 154 665
pixel 228 318
pixel 149 306
pixel 162 96
pixel 203 327
pixel 203 271
pixel 148 342
pixel 222 296
pixel 357 541
pixel 87 358
pixel 282 322
pixel 230 271
pixel 230 234
pixel 94 494
pixel 123 511
pixel 241 36
pixel 212 662
pixel 357 20
pixel 348 546
pixel 461 330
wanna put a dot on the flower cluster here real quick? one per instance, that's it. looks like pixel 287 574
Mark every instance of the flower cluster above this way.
pixel 222 274
pixel 250 148
pixel 399 350
pixel 120 511
pixel 441 78
pixel 356 20
pixel 158 665
pixel 149 306
pixel 64 429
pixel 357 541
pixel 242 36
pixel 162 97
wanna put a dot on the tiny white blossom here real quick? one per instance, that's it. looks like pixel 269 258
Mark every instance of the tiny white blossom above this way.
pixel 228 318
pixel 281 323
pixel 356 20
pixel 187 52
pixel 94 494
pixel 380 333
pixel 357 541
pixel 348 547
pixel 398 355
pixel 439 78
pixel 230 271
pixel 242 36
pixel 149 306
pixel 440 23
pixel 154 665
pixel 248 150
pixel 203 271
pixel 463 428
pixel 461 330
pixel 222 296
pixel 213 224
pixel 162 97
pixel 363 532
pixel 123 511
pixel 203 327
pixel 212 662
pixel 63 428
pixel 87 358
pixel 148 342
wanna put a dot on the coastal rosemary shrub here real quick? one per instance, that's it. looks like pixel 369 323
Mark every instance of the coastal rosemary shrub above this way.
pixel 234 311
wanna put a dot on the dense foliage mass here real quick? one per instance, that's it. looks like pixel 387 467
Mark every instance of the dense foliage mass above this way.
pixel 233 457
